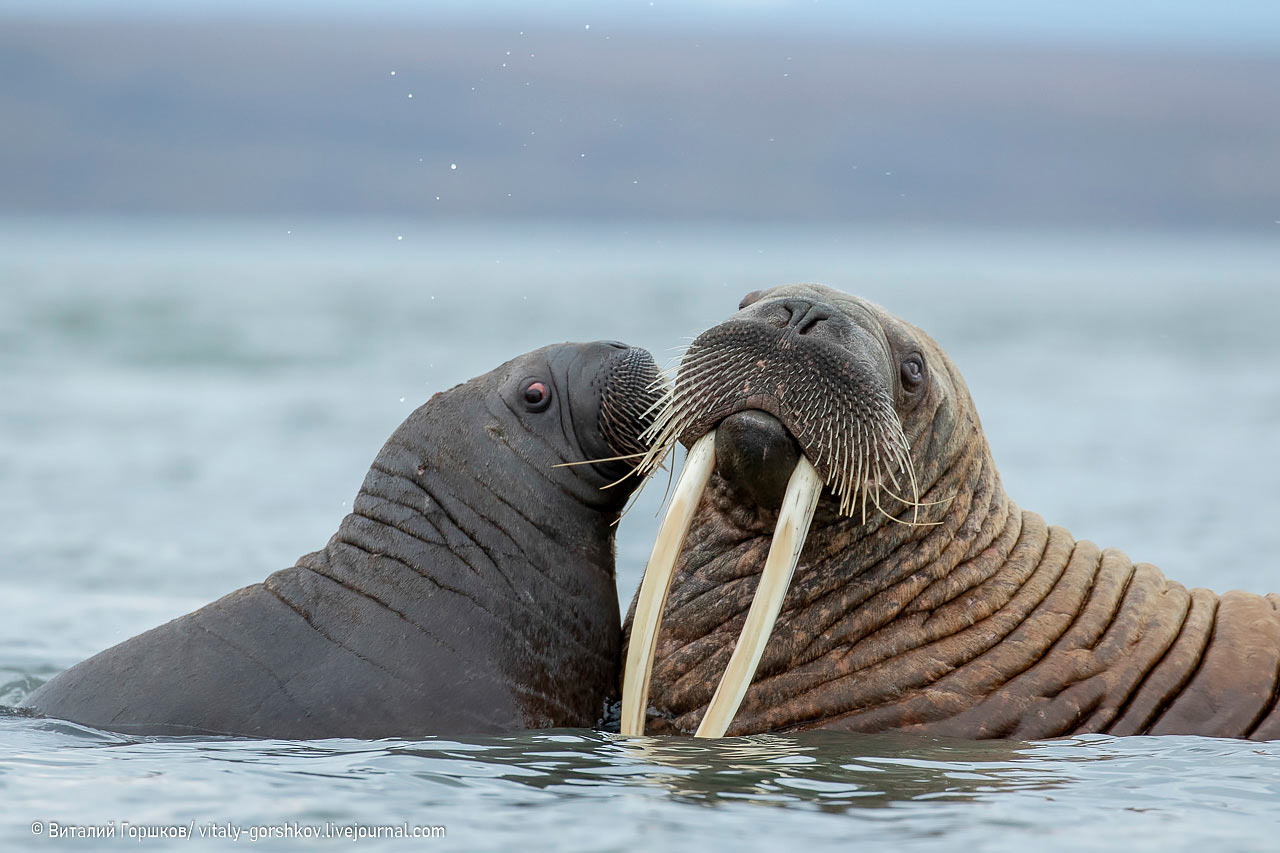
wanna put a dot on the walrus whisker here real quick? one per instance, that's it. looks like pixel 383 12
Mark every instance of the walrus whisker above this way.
pixel 647 474
pixel 634 472
pixel 917 504
pixel 880 487
pixel 896 520
pixel 631 502
pixel 915 488
pixel 670 481
pixel 603 459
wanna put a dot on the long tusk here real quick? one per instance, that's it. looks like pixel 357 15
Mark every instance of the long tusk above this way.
pixel 794 518
pixel 657 581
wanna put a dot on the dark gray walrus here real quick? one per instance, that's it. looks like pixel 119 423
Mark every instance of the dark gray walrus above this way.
pixel 837 442
pixel 471 589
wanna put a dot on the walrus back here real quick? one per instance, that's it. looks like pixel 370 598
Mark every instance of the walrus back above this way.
pixel 193 675
pixel 259 663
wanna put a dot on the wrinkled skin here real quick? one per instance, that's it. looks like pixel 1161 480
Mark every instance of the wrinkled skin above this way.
pixel 979 621
pixel 471 589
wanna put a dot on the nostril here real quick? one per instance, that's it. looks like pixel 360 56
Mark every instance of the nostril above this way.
pixel 805 316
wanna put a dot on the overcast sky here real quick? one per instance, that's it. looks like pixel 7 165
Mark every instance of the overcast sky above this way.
pixel 1218 25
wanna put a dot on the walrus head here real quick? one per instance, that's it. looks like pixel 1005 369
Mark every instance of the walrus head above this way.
pixel 587 407
pixel 810 415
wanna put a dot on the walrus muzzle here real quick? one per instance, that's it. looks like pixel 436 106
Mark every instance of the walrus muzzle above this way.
pixel 793 393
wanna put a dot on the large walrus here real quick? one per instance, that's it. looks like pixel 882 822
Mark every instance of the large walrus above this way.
pixel 471 589
pixel 922 598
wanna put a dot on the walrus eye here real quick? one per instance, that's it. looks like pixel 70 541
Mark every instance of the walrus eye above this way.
pixel 536 395
pixel 912 372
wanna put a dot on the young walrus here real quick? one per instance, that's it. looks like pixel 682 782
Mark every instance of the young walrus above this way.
pixel 923 599
pixel 471 589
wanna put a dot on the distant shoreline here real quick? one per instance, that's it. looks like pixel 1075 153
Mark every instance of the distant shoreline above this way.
pixel 224 119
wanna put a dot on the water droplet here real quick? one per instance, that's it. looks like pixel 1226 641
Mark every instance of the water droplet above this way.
pixel 587 27
pixel 402 399
pixel 411 94
pixel 393 73
pixel 453 165
pixel 399 236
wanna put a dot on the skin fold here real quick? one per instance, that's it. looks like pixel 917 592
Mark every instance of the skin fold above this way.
pixel 471 589
pixel 935 606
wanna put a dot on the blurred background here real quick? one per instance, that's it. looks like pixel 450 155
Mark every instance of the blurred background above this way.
pixel 1094 114
pixel 240 241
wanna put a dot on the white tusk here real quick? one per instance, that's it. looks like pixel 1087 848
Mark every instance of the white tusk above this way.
pixel 657 581
pixel 794 518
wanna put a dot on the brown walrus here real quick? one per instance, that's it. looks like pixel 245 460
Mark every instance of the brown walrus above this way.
pixel 923 599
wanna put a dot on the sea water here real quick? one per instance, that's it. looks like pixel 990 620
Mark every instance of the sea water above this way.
pixel 187 406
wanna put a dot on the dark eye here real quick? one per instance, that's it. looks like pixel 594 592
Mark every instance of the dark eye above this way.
pixel 536 395
pixel 912 372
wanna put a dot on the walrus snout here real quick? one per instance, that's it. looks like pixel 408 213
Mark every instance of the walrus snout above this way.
pixel 802 316
pixel 756 454
pixel 629 393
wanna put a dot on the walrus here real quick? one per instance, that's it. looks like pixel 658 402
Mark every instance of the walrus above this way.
pixel 471 588
pixel 851 561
